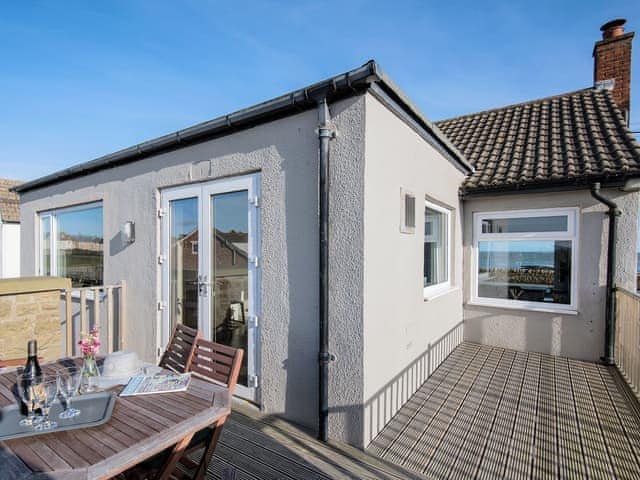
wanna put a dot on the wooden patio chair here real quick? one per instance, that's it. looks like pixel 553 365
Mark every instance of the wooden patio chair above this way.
pixel 219 364
pixel 177 357
pixel 215 363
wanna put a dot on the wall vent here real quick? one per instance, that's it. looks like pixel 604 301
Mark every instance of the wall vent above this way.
pixel 407 211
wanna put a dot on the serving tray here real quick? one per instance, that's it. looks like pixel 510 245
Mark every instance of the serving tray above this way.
pixel 95 409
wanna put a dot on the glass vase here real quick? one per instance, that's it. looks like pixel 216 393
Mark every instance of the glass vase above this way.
pixel 89 375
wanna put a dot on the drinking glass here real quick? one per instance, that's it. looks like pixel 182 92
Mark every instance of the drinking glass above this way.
pixel 27 385
pixel 68 383
pixel 47 393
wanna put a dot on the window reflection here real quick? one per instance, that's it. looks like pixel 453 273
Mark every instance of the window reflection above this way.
pixel 71 245
pixel 435 247
pixel 183 261
pixel 533 271
pixel 79 242
pixel 230 240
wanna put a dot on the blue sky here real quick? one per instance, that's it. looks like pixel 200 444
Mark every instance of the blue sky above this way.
pixel 82 79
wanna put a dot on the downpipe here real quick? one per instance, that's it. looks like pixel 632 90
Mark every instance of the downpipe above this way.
pixel 326 132
pixel 610 304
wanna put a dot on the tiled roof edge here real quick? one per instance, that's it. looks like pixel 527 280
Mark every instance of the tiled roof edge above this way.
pixel 515 105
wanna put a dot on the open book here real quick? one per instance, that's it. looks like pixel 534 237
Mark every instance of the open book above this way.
pixel 147 384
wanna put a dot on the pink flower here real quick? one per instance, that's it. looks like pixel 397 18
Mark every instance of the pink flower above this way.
pixel 89 344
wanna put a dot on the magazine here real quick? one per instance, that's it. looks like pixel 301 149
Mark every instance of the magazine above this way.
pixel 147 384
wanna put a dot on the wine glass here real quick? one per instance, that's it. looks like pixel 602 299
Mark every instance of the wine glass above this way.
pixel 68 383
pixel 27 385
pixel 46 392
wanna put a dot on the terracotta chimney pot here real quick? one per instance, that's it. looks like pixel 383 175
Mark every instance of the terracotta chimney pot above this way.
pixel 613 28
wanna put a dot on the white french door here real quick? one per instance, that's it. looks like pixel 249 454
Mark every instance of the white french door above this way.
pixel 210 266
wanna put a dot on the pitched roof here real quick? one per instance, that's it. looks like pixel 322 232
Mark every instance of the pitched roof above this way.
pixel 9 201
pixel 571 139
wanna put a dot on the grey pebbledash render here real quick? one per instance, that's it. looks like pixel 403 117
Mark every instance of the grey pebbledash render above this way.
pixel 271 151
pixel 423 249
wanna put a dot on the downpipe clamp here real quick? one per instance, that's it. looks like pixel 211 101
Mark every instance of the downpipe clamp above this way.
pixel 327 131
pixel 325 358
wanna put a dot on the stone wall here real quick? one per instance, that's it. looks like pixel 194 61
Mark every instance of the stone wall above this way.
pixel 30 309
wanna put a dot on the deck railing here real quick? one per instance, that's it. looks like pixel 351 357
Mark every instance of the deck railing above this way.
pixel 102 307
pixel 627 338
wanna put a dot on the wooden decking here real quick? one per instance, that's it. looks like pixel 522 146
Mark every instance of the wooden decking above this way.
pixel 255 447
pixel 495 413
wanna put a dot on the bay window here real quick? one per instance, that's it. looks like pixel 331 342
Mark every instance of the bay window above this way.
pixel 526 258
pixel 437 232
pixel 71 244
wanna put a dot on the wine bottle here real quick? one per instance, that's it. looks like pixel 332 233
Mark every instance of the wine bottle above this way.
pixel 32 373
pixel 32 367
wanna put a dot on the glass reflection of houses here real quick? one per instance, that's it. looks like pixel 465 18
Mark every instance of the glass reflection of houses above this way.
pixel 229 284
pixel 80 259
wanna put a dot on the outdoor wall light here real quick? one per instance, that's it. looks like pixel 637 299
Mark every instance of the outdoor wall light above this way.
pixel 128 231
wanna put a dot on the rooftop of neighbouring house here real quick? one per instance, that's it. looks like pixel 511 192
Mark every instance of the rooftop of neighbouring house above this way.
pixel 9 201
pixel 571 139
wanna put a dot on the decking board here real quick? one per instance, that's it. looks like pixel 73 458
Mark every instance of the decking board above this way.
pixel 524 415
pixel 256 447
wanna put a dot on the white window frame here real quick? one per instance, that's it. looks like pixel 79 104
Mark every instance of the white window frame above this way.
pixel 572 234
pixel 53 240
pixel 438 288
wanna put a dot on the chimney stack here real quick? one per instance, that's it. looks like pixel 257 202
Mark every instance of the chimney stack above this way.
pixel 612 63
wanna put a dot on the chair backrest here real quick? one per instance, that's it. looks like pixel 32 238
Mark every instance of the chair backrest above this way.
pixel 177 357
pixel 216 362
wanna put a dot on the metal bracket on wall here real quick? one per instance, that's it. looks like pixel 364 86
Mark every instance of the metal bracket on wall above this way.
pixel 252 381
pixel 326 357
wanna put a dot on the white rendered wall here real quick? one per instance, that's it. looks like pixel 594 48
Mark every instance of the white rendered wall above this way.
pixel 580 335
pixel 405 335
pixel 10 250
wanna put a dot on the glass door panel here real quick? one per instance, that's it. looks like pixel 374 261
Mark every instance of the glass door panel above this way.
pixel 183 262
pixel 230 272
pixel 212 283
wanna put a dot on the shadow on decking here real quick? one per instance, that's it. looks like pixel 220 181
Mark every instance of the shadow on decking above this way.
pixel 388 400
pixel 494 413
pixel 257 447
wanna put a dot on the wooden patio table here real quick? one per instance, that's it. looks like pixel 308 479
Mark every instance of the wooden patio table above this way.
pixel 140 426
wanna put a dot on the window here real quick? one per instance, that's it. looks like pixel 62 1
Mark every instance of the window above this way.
pixel 71 244
pixel 437 231
pixel 526 258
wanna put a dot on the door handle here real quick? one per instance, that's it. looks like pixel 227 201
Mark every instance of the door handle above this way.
pixel 203 286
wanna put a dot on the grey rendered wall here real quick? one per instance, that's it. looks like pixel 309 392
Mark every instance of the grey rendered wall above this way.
pixel 578 336
pixel 346 231
pixel 285 152
pixel 405 335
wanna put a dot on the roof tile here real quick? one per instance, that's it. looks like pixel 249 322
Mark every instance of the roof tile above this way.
pixel 579 136
pixel 9 201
